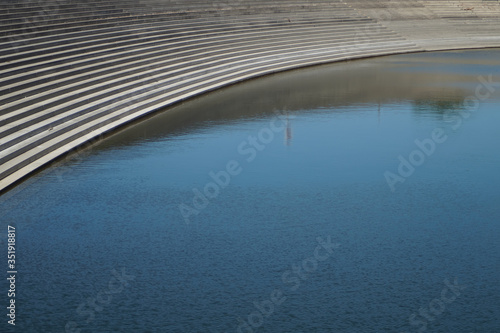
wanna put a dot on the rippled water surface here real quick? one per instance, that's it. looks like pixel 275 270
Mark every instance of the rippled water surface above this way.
pixel 353 197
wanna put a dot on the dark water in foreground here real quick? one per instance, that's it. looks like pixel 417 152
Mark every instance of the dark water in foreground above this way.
pixel 301 231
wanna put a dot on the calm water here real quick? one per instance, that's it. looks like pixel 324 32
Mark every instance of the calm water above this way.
pixel 308 226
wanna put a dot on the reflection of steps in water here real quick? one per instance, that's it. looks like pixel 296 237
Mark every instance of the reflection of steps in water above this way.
pixel 339 88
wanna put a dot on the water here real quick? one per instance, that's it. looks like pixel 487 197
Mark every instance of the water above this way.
pixel 103 245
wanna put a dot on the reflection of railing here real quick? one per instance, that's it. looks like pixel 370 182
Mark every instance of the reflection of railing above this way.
pixel 72 71
pixel 288 131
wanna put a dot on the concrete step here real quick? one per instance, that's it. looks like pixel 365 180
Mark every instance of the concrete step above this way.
pixel 62 41
pixel 22 66
pixel 147 49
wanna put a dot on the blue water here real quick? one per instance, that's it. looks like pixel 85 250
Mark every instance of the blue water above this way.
pixel 110 240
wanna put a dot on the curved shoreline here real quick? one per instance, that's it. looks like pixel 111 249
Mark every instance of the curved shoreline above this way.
pixel 84 69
